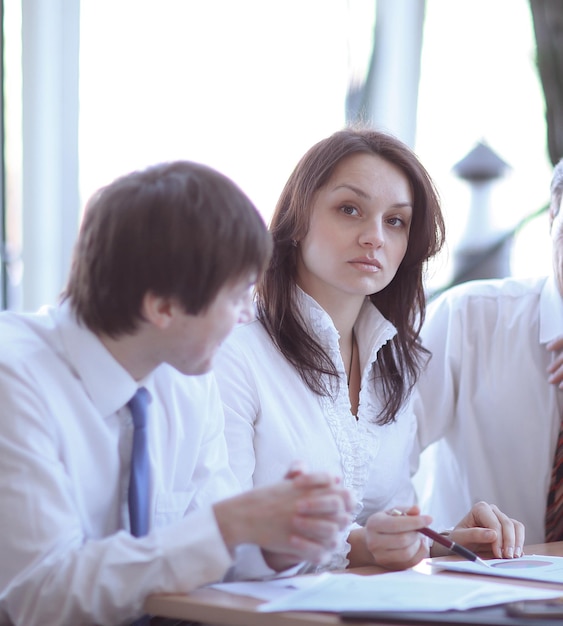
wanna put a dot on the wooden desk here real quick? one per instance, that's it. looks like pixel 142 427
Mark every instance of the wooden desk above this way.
pixel 211 606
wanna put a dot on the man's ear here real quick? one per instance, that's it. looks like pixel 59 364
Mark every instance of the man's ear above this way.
pixel 551 214
pixel 158 310
pixel 554 211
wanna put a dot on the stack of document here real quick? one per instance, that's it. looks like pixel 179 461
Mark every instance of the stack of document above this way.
pixel 546 569
pixel 400 591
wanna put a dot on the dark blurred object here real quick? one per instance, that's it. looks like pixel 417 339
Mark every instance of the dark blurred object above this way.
pixel 547 16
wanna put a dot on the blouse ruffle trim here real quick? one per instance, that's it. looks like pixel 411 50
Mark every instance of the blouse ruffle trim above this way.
pixel 357 441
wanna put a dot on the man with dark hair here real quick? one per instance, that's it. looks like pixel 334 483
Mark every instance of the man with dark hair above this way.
pixel 113 465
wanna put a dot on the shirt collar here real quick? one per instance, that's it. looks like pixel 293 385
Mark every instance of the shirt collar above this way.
pixel 106 382
pixel 372 329
pixel 551 311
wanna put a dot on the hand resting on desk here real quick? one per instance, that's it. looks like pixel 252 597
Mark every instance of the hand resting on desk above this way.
pixel 486 527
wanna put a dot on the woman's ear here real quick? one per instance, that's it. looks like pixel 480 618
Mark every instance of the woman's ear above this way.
pixel 158 310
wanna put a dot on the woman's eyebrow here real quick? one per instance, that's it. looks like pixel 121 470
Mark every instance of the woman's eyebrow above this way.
pixel 356 190
pixel 363 194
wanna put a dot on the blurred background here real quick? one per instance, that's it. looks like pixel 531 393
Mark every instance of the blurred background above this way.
pixel 93 89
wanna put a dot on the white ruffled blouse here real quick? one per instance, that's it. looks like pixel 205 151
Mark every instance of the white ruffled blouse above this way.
pixel 273 418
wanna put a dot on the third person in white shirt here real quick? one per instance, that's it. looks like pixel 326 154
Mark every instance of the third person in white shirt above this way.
pixel 489 396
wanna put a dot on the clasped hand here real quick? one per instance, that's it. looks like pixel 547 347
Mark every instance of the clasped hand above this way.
pixel 298 519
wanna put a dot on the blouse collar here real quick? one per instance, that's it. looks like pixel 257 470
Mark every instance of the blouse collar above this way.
pixel 372 329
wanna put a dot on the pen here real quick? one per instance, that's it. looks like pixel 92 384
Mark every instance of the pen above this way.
pixel 452 546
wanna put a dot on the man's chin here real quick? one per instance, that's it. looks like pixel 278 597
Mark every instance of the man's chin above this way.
pixel 197 369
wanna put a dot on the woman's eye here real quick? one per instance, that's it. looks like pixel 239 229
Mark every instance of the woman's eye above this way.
pixel 395 221
pixel 349 210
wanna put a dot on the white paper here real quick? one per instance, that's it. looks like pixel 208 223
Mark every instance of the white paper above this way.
pixel 528 567
pixel 273 588
pixel 401 591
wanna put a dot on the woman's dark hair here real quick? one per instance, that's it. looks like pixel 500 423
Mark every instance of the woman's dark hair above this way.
pixel 402 302
pixel 179 230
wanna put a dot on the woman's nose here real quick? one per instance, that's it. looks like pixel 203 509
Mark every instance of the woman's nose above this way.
pixel 372 235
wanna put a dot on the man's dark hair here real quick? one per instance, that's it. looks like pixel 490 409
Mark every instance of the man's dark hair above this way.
pixel 179 230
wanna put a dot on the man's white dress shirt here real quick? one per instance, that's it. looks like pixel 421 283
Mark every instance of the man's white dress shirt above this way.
pixel 66 555
pixel 272 417
pixel 485 393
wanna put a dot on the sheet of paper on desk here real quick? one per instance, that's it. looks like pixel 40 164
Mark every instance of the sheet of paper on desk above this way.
pixel 547 569
pixel 403 591
pixel 272 588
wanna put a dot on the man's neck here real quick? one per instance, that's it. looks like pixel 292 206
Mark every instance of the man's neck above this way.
pixel 132 353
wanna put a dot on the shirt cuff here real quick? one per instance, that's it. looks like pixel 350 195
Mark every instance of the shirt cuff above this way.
pixel 195 550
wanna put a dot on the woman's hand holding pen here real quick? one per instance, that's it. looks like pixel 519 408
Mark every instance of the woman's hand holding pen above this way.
pixel 393 541
pixel 486 528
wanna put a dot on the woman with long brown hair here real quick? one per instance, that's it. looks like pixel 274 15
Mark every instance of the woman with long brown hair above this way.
pixel 325 372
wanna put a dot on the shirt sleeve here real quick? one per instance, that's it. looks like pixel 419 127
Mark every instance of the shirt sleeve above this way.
pixel 404 493
pixel 241 406
pixel 436 391
pixel 213 474
pixel 54 569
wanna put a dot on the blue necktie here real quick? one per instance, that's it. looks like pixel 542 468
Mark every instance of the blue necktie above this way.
pixel 139 479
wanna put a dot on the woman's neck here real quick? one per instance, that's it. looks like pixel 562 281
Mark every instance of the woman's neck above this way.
pixel 344 317
pixel 343 311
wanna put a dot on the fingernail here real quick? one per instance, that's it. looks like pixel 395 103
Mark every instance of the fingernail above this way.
pixel 509 552
pixel 518 553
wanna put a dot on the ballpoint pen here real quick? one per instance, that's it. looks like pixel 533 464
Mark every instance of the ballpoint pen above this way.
pixel 443 540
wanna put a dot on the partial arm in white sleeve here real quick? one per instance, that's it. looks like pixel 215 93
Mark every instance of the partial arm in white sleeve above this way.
pixel 435 395
pixel 241 407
